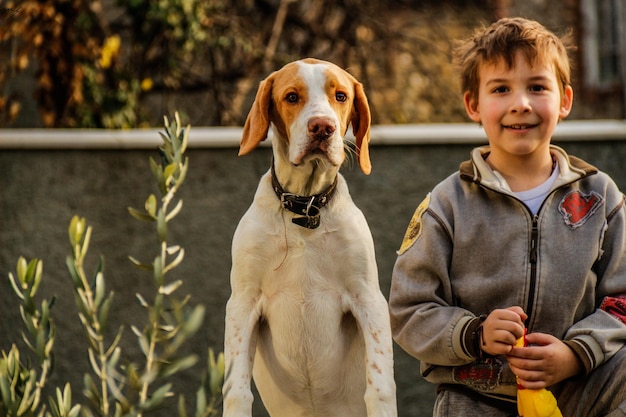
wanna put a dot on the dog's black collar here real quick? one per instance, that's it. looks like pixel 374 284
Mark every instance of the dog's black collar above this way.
pixel 306 206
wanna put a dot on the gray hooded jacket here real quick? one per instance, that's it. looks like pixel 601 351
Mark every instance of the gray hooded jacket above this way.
pixel 473 246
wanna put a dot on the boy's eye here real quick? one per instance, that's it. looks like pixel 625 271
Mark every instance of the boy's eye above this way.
pixel 536 88
pixel 501 89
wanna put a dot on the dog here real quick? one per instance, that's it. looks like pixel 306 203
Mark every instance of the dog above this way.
pixel 306 318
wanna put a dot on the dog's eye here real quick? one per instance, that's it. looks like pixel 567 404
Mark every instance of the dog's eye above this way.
pixel 341 97
pixel 292 98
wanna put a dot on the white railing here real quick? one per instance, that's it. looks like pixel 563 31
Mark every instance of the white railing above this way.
pixel 221 137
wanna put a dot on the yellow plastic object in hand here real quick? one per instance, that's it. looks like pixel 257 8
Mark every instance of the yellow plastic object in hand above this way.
pixel 535 402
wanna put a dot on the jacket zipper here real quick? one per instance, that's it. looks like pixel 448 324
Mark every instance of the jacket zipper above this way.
pixel 534 237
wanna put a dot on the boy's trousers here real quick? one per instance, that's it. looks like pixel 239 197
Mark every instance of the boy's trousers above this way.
pixel 601 393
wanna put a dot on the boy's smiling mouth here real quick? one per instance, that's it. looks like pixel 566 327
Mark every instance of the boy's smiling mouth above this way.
pixel 520 126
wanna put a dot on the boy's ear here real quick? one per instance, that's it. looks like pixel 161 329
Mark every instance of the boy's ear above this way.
pixel 471 107
pixel 566 102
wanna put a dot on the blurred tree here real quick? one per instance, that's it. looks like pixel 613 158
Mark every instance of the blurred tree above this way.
pixel 63 37
pixel 103 63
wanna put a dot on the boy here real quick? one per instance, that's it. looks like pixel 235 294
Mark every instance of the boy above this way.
pixel 523 236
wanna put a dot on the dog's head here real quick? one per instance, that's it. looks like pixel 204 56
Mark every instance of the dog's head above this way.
pixel 311 103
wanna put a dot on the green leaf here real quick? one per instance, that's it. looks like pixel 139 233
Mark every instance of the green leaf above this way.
pixel 216 372
pixel 169 172
pixel 179 365
pixel 76 230
pixel 116 341
pixel 5 390
pixel 151 205
pixel 172 249
pixel 183 171
pixel 27 400
pixel 40 344
pixel 85 244
pixel 16 288
pixel 157 397
pixel 201 403
pixel 66 398
pixel 182 409
pixel 174 211
pixel 194 321
pixel 156 170
pixel 133 377
pixel 31 272
pixel 37 278
pixel 178 128
pixel 142 300
pixel 138 264
pixel 161 226
pixel 45 313
pixel 28 320
pixel 91 390
pixel 139 215
pixel 100 288
pixel 170 288
pixel 115 357
pixel 117 393
pixel 74 411
pixel 104 310
pixel 95 366
pixel 48 347
pixel 144 344
pixel 22 267
pixel 175 262
pixel 73 273
pixel 158 271
pixel 27 341
pixel 100 266
pixel 136 330
pixel 185 140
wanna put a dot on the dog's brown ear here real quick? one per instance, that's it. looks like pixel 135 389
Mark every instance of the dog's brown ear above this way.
pixel 258 121
pixel 361 121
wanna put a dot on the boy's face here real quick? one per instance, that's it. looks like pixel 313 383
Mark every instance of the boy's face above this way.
pixel 519 107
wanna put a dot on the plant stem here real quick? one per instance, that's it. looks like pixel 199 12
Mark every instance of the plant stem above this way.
pixel 94 323
pixel 149 363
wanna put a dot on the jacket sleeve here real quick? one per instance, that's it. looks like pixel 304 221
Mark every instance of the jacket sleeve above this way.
pixel 424 320
pixel 597 337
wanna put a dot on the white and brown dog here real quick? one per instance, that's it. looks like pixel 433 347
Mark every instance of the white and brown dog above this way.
pixel 306 316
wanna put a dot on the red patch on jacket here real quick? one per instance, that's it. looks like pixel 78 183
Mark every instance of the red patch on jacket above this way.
pixel 615 306
pixel 484 375
pixel 577 207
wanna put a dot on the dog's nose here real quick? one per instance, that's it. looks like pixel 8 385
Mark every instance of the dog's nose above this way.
pixel 321 127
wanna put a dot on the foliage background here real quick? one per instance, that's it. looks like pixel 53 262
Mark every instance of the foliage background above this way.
pixel 105 63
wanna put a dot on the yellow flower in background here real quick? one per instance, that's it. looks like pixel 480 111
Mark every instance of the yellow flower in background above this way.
pixel 147 84
pixel 110 50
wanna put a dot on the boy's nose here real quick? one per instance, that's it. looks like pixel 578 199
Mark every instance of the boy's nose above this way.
pixel 521 103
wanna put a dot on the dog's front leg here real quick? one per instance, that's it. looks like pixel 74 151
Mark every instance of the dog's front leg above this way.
pixel 240 337
pixel 372 314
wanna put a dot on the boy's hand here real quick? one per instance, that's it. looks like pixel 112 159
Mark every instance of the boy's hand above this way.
pixel 546 361
pixel 501 329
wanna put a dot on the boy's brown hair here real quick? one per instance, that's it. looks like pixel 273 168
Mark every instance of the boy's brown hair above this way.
pixel 502 40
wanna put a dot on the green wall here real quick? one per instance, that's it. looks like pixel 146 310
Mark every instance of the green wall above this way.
pixel 40 190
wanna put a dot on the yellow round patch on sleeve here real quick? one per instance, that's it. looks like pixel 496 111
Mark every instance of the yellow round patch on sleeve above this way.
pixel 414 230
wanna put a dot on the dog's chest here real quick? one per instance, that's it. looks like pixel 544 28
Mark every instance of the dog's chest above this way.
pixel 308 279
pixel 306 306
pixel 304 273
